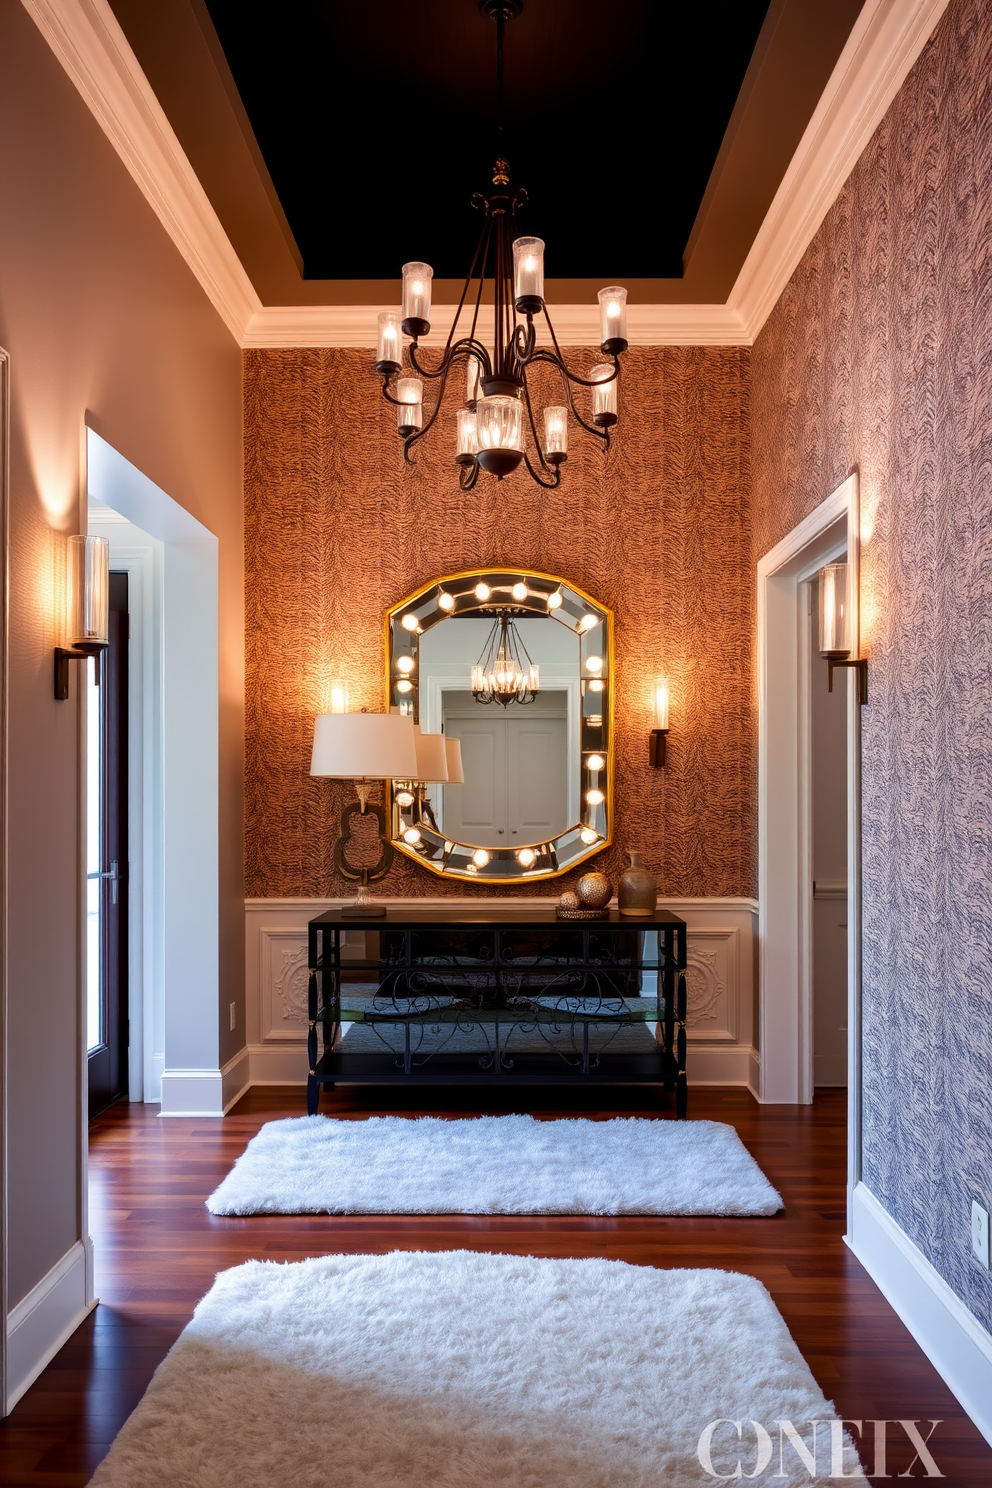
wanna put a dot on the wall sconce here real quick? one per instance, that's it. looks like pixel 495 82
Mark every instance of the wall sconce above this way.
pixel 659 734
pixel 838 627
pixel 337 691
pixel 87 606
pixel 363 747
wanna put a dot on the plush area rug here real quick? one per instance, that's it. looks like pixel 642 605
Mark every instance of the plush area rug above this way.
pixel 461 1370
pixel 494 1165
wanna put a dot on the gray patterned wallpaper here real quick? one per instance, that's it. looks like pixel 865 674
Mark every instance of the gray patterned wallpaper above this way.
pixel 879 357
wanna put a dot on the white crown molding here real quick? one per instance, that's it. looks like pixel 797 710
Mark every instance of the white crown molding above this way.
pixel 88 41
pixel 885 42
pixel 575 325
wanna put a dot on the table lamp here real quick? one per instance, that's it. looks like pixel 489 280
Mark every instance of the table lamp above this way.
pixel 365 748
pixel 432 769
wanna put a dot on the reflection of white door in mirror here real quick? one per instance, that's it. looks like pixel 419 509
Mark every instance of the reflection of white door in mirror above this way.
pixel 516 781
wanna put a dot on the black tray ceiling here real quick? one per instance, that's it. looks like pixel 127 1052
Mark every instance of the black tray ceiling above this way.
pixel 377 122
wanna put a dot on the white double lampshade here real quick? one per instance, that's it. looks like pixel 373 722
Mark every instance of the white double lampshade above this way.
pixel 382 746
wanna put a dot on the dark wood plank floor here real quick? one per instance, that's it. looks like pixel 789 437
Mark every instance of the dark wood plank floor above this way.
pixel 157 1251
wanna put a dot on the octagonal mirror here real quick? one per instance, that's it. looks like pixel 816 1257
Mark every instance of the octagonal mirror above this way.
pixel 509 675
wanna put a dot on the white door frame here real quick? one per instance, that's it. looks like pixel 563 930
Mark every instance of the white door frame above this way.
pixel 784 809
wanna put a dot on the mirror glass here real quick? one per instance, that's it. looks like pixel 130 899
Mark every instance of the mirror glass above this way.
pixel 514 670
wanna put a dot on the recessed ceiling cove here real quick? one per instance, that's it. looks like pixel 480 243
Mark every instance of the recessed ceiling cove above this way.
pixel 377 121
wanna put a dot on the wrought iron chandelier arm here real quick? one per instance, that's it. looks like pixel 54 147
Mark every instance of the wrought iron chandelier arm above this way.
pixel 548 469
pixel 411 439
pixel 557 360
pixel 549 485
pixel 466 346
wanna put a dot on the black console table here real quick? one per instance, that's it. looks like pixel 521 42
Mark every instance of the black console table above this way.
pixel 497 995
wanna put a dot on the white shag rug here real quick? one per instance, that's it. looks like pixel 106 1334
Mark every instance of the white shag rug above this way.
pixel 461 1370
pixel 494 1165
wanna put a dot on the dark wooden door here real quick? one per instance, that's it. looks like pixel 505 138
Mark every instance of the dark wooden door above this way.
pixel 108 873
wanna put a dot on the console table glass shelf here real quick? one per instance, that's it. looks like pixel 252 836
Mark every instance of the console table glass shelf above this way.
pixel 459 995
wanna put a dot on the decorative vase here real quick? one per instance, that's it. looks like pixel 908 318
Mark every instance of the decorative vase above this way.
pixel 594 890
pixel 638 890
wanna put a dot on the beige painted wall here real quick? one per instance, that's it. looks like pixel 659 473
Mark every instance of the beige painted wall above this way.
pixel 104 321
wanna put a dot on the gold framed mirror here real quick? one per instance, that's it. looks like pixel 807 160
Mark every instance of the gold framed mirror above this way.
pixel 509 675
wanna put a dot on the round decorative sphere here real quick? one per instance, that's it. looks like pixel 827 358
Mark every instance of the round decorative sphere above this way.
pixel 594 890
pixel 568 900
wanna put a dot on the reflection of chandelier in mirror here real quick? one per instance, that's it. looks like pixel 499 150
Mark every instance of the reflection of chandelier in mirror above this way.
pixel 504 672
pixel 491 427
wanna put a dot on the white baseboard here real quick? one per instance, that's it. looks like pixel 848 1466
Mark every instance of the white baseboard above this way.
pixel 718 1066
pixel 754 1073
pixel 192 1092
pixel 282 1065
pixel 43 1320
pixel 952 1338
pixel 235 1078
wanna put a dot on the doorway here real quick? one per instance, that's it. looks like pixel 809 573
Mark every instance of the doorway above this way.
pixel 785 814
pixel 828 890
pixel 516 780
pixel 107 859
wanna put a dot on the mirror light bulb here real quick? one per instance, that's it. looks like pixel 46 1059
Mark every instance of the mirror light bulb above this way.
pixel 519 591
pixel 588 836
pixel 526 856
pixel 446 601
pixel 554 600
pixel 410 621
pixel 411 835
pixel 404 798
pixel 595 684
pixel 595 797
pixel 405 664
pixel 404 685
pixel 482 591
pixel 595 762
pixel 594 663
pixel 588 621
pixel 480 858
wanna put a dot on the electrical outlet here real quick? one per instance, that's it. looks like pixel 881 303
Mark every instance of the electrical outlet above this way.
pixel 980 1232
pixel 234 1015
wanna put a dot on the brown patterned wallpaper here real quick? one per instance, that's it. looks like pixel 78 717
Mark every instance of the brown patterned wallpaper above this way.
pixel 878 358
pixel 337 529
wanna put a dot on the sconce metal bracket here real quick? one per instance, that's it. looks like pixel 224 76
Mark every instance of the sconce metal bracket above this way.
pixel 862 670
pixel 658 747
pixel 63 656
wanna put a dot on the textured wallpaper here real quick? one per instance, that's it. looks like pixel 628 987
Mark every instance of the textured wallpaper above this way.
pixel 879 358
pixel 337 529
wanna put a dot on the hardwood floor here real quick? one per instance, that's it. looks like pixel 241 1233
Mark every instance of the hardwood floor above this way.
pixel 157 1251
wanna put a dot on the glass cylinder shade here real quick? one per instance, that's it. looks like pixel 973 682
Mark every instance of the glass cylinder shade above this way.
pixel 604 395
pixel 473 378
pixel 499 421
pixel 528 273
pixel 389 344
pixel 417 296
pixel 836 631
pixel 88 593
pixel 661 706
pixel 468 435
pixel 556 432
pixel 410 395
pixel 613 318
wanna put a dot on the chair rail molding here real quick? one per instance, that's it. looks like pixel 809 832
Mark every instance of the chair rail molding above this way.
pixel 885 42
pixel 719 983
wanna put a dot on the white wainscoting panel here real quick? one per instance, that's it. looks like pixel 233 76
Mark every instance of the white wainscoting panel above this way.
pixel 44 1320
pixel 719 986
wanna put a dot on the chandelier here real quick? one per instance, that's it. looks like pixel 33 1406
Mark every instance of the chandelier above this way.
pixel 504 672
pixel 497 415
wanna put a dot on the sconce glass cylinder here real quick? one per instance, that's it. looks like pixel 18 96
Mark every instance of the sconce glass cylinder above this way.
pixel 410 396
pixel 836 630
pixel 604 395
pixel 613 320
pixel 468 436
pixel 337 696
pixel 88 593
pixel 661 706
pixel 389 345
pixel 556 434
pixel 528 274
